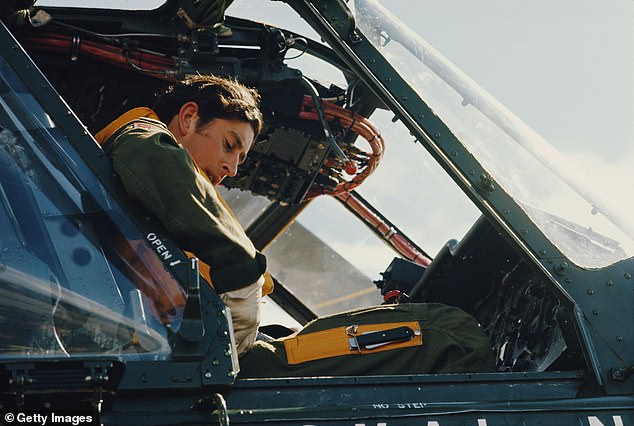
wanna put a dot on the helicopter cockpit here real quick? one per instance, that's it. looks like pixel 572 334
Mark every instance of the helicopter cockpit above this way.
pixel 87 274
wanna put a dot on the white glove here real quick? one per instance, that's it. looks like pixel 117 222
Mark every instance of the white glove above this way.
pixel 245 313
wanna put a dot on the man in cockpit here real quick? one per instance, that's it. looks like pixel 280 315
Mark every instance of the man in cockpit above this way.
pixel 169 159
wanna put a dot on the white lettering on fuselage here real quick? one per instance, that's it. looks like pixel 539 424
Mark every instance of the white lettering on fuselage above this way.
pixel 594 421
pixel 481 422
pixel 378 424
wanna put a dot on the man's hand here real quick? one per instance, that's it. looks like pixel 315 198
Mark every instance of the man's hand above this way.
pixel 245 313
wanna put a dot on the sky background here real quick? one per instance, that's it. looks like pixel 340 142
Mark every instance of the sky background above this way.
pixel 565 67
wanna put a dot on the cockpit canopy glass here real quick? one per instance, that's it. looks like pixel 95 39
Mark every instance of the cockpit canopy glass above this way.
pixel 560 198
pixel 76 277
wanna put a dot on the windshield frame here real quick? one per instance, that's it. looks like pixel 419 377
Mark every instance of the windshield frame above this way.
pixel 437 138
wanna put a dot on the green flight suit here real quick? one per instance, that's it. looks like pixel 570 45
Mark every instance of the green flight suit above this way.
pixel 158 173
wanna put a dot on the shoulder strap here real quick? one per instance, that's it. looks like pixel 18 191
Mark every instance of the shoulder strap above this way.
pixel 134 114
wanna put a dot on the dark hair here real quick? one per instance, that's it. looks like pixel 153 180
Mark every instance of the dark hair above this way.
pixel 216 97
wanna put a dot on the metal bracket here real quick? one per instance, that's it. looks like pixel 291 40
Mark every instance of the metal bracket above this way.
pixel 20 379
pixel 352 34
pixel 191 47
pixel 193 328
pixel 485 186
pixel 98 377
pixel 621 374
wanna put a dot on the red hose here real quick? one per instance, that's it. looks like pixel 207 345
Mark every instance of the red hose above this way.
pixel 389 234
pixel 369 161
pixel 149 63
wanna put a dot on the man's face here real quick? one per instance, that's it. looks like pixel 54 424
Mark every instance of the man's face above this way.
pixel 219 146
